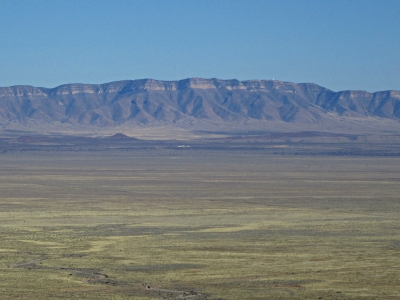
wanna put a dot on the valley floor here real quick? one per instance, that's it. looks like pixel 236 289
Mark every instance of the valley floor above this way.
pixel 197 223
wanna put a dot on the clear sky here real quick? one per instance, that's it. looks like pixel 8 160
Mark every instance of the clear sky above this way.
pixel 337 44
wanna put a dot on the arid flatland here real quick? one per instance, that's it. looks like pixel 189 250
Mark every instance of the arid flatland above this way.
pixel 198 224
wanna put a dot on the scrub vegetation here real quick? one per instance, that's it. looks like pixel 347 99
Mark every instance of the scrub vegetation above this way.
pixel 198 224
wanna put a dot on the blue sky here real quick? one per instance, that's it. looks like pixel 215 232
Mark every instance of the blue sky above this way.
pixel 337 44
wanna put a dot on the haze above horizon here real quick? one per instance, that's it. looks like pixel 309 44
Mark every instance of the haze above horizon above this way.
pixel 340 45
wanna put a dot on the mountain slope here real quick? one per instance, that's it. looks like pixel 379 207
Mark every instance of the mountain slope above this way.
pixel 193 101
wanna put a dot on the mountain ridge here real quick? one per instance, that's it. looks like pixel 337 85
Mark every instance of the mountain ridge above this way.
pixel 197 104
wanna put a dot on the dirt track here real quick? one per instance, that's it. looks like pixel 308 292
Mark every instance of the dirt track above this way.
pixel 93 277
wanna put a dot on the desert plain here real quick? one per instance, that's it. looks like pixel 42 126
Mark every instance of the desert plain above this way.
pixel 195 223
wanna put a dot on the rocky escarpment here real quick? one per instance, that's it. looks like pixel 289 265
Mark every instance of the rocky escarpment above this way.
pixel 219 101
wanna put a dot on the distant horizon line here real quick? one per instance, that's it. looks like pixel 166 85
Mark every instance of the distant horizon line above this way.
pixel 189 78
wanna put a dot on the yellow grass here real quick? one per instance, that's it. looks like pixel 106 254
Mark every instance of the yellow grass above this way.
pixel 106 225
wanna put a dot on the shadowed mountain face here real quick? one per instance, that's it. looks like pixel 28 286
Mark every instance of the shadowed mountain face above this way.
pixel 220 102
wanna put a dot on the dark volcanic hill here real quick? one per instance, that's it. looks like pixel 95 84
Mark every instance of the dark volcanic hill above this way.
pixel 198 104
